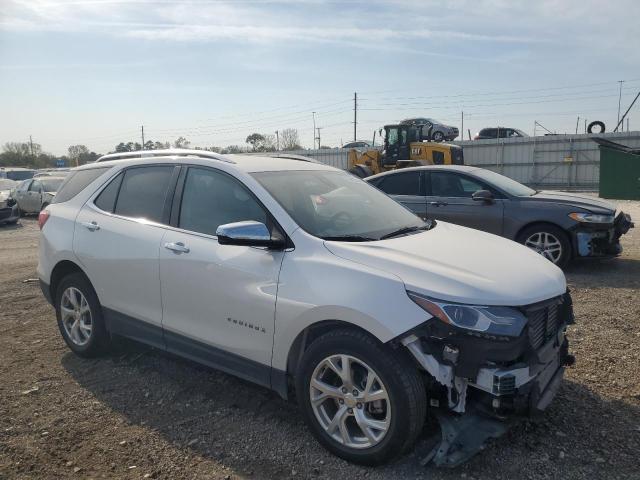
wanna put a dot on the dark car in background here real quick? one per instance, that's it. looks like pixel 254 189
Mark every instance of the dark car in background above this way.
pixel 558 225
pixel 439 131
pixel 499 132
pixel 16 173
pixel 9 212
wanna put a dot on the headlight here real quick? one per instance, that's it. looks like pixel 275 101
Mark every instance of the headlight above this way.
pixel 591 218
pixel 496 320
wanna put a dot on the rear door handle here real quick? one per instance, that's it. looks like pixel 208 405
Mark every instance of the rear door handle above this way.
pixel 177 247
pixel 91 226
pixel 438 204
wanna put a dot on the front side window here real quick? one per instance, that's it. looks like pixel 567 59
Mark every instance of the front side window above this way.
pixel 336 205
pixel 35 186
pixel 143 192
pixel 392 136
pixel 447 184
pixel 405 183
pixel 211 198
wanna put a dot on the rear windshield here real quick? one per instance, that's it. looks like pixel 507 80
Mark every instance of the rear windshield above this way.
pixel 51 184
pixel 76 182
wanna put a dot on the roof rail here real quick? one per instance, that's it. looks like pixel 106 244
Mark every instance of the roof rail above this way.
pixel 293 156
pixel 170 152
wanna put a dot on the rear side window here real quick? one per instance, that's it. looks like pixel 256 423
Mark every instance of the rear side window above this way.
pixel 76 182
pixel 107 199
pixel 407 183
pixel 143 192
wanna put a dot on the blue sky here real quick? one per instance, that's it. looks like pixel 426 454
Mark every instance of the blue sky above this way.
pixel 93 71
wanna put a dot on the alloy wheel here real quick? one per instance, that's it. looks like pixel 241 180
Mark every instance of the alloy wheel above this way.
pixel 545 244
pixel 350 401
pixel 76 316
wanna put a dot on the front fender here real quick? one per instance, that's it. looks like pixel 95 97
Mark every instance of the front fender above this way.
pixel 321 286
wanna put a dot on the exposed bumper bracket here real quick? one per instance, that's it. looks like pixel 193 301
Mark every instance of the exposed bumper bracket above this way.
pixel 462 437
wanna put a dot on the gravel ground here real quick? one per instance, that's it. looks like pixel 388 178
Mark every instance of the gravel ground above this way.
pixel 139 413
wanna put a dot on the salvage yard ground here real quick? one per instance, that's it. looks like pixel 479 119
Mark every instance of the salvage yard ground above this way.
pixel 139 413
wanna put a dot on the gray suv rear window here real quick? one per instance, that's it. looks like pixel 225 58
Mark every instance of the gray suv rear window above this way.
pixel 76 182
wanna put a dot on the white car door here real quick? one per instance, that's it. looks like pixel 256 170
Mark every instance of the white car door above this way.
pixel 117 239
pixel 218 300
pixel 32 198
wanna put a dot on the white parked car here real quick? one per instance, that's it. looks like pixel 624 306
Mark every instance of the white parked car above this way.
pixel 371 315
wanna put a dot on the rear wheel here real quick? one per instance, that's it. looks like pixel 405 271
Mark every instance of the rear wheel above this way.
pixel 79 316
pixel 549 241
pixel 363 401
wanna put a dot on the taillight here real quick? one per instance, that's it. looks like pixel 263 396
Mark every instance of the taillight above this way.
pixel 42 218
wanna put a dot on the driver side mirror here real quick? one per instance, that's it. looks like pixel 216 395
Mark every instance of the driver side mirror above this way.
pixel 482 196
pixel 249 234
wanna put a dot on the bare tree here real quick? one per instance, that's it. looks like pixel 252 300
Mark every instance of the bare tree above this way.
pixel 289 139
pixel 77 151
pixel 181 142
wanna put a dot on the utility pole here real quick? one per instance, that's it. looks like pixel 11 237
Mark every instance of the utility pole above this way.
pixel 355 116
pixel 31 145
pixel 318 129
pixel 577 123
pixel 625 113
pixel 142 130
pixel 462 126
pixel 314 129
pixel 619 99
pixel 277 141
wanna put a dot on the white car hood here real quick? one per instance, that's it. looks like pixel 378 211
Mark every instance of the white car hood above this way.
pixel 459 264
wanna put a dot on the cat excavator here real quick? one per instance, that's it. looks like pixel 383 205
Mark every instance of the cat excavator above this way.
pixel 404 146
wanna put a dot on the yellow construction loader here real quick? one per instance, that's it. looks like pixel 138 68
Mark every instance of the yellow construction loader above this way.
pixel 404 146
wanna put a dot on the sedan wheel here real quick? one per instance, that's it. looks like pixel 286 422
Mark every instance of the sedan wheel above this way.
pixel 438 136
pixel 546 245
pixel 76 316
pixel 350 401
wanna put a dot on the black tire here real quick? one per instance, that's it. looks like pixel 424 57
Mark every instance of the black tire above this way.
pixel 438 136
pixel 597 123
pixel 542 228
pixel 99 339
pixel 361 171
pixel 404 385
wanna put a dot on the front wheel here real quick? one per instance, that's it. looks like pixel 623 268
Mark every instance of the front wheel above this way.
pixel 549 241
pixel 363 401
pixel 438 136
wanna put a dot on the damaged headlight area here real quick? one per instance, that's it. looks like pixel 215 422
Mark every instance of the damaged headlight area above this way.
pixel 488 319
pixel 585 217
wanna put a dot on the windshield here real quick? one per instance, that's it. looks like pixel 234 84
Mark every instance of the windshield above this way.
pixel 50 184
pixel 6 184
pixel 20 174
pixel 504 183
pixel 337 205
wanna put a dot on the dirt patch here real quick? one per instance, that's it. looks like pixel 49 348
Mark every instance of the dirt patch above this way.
pixel 139 413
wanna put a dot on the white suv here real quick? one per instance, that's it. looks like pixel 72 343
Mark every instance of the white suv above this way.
pixel 301 277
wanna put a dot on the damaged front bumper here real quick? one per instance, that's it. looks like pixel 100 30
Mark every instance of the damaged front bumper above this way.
pixel 601 240
pixel 476 395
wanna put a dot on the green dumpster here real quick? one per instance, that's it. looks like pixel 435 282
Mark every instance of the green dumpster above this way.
pixel 619 171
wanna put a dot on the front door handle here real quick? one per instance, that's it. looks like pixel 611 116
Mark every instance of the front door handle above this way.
pixel 177 247
pixel 91 226
pixel 438 204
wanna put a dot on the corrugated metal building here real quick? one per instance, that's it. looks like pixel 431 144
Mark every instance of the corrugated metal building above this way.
pixel 567 162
